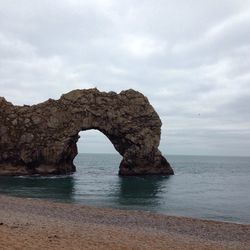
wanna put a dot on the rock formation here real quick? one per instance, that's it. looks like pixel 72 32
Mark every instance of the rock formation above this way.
pixel 41 139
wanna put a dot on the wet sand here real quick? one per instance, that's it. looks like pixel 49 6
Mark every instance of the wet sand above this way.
pixel 39 224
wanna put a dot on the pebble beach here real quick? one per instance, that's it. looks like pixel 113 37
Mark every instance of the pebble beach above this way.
pixel 40 224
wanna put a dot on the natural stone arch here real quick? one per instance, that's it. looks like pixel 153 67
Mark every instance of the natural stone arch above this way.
pixel 41 139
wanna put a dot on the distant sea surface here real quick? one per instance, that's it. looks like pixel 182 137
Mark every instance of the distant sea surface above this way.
pixel 208 187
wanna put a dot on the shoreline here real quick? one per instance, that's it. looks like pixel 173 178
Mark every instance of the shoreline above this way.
pixel 27 223
pixel 124 209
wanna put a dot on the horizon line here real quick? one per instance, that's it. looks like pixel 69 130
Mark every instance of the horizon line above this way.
pixel 170 154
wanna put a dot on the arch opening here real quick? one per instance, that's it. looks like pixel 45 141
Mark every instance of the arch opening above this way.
pixel 94 141
pixel 95 153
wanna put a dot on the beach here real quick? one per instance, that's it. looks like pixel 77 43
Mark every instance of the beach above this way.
pixel 38 224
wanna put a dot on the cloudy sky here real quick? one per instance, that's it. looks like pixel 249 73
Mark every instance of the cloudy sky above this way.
pixel 191 58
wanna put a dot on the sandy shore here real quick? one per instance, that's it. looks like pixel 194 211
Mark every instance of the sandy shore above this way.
pixel 38 224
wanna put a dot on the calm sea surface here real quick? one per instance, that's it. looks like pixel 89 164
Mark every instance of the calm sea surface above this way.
pixel 215 188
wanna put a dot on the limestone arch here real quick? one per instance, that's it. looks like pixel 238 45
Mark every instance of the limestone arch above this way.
pixel 42 139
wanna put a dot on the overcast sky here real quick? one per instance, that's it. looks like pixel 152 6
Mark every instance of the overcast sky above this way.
pixel 191 58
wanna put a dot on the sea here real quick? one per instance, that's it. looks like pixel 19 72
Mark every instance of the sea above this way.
pixel 206 187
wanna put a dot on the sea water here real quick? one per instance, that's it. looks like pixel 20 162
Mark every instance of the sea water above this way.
pixel 208 187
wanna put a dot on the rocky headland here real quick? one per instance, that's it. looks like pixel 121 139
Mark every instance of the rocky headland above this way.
pixel 42 139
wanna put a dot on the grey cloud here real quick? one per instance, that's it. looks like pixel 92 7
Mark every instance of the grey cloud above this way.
pixel 191 58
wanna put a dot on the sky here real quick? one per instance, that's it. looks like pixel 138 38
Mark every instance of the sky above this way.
pixel 189 57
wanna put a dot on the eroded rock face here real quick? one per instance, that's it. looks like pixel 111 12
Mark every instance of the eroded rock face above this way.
pixel 41 139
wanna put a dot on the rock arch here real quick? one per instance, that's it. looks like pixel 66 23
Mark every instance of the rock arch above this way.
pixel 41 139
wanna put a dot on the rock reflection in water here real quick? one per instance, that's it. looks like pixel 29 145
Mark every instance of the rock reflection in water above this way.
pixel 141 191
pixel 59 188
